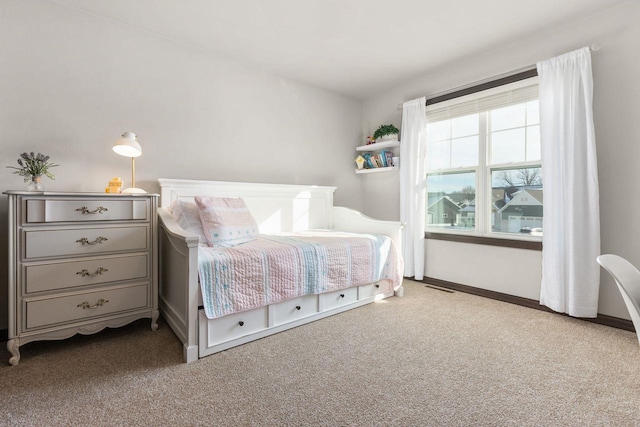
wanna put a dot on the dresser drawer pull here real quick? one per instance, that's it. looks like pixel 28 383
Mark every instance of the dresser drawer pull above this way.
pixel 298 307
pixel 377 286
pixel 84 241
pixel 85 272
pixel 341 295
pixel 100 303
pixel 85 210
pixel 241 323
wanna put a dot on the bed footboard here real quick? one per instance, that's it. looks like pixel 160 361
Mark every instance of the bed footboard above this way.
pixel 345 219
pixel 178 303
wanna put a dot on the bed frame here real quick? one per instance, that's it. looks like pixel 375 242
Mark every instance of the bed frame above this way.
pixel 276 208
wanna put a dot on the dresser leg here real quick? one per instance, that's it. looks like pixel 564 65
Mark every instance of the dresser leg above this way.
pixel 154 319
pixel 13 345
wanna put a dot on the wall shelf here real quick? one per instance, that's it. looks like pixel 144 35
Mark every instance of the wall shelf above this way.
pixel 379 146
pixel 375 170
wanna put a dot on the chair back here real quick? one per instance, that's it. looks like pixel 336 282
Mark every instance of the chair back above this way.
pixel 627 278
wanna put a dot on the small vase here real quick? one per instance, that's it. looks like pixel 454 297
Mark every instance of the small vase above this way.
pixel 35 184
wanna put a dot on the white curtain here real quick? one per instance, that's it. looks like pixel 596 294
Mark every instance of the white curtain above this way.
pixel 412 185
pixel 571 223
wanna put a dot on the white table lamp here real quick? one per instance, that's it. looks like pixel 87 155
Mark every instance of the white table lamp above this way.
pixel 128 146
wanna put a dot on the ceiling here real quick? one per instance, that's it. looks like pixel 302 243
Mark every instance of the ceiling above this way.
pixel 353 47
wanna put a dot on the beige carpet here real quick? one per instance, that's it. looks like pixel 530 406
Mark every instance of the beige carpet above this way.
pixel 428 359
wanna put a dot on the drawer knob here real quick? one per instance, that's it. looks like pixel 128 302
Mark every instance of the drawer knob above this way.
pixel 341 295
pixel 298 307
pixel 99 271
pixel 377 286
pixel 84 241
pixel 241 323
pixel 100 303
pixel 85 210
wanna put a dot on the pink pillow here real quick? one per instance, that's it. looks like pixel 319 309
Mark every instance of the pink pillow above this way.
pixel 226 221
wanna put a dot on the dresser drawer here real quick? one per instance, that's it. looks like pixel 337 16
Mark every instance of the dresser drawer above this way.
pixel 50 311
pixel 90 271
pixel 297 308
pixel 82 241
pixel 337 299
pixel 39 210
pixel 235 325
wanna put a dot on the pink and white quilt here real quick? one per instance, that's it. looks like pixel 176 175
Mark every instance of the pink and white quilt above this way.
pixel 274 268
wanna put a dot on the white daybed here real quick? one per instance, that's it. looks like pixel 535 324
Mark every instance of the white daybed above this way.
pixel 276 208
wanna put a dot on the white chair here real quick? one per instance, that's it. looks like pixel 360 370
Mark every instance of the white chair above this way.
pixel 628 280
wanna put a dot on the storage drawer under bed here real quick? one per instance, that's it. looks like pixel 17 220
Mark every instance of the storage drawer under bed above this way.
pixel 373 289
pixel 293 309
pixel 237 325
pixel 336 299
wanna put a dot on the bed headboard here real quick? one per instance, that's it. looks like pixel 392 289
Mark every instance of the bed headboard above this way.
pixel 275 207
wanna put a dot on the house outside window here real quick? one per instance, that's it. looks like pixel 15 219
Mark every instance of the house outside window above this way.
pixel 483 163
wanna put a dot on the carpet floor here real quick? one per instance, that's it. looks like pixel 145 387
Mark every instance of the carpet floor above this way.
pixel 431 358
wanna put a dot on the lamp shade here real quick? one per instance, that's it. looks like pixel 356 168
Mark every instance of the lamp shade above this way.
pixel 127 145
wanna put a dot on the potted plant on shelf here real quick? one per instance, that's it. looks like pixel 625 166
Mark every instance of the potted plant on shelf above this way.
pixel 386 133
pixel 32 167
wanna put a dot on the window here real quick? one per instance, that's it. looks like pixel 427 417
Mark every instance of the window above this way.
pixel 451 200
pixel 483 163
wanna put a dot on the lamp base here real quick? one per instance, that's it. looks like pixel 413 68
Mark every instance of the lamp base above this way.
pixel 133 191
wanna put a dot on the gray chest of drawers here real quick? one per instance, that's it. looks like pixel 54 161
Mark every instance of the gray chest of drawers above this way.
pixel 78 263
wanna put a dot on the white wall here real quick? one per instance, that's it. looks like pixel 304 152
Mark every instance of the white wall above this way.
pixel 510 268
pixel 71 83
pixel 616 68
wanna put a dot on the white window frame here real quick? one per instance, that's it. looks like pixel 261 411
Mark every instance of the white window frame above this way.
pixel 483 171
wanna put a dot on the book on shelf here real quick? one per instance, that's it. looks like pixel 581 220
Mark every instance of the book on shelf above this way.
pixel 381 160
pixel 389 158
pixel 368 161
pixel 384 159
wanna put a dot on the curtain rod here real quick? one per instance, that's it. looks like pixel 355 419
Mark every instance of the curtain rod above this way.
pixel 593 48
pixel 496 81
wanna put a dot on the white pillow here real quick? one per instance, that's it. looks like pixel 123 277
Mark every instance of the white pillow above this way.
pixel 187 216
